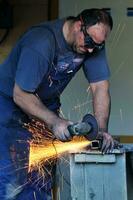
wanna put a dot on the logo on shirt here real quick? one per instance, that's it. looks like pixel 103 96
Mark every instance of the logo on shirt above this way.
pixel 68 64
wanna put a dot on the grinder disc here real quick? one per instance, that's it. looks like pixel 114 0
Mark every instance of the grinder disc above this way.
pixel 90 119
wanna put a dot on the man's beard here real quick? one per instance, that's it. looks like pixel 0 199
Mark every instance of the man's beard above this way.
pixel 76 49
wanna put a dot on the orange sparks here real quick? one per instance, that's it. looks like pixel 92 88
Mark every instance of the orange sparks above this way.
pixel 50 150
pixel 45 149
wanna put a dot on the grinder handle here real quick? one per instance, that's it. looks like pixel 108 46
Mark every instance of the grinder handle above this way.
pixel 79 129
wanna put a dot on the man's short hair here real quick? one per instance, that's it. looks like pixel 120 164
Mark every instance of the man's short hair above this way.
pixel 90 17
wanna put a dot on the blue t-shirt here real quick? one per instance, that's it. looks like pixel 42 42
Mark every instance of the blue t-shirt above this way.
pixel 43 63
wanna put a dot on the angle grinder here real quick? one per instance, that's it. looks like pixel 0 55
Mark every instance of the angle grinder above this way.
pixel 88 128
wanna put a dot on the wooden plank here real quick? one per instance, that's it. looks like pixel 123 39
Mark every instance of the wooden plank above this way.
pixel 92 158
pixel 126 139
pixel 53 9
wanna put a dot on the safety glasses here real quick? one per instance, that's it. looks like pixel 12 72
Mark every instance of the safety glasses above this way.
pixel 89 42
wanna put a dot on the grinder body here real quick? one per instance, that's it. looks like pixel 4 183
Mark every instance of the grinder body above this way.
pixel 88 128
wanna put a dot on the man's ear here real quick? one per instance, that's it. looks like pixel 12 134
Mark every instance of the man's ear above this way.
pixel 78 25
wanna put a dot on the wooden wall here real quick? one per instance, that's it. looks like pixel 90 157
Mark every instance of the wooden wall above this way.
pixel 25 14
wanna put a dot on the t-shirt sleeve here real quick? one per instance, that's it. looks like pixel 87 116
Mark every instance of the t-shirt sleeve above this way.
pixel 96 67
pixel 31 69
pixel 35 57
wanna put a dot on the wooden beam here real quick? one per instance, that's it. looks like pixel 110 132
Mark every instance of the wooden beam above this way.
pixel 126 139
pixel 53 9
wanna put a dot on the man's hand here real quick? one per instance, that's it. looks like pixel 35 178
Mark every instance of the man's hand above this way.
pixel 60 130
pixel 107 142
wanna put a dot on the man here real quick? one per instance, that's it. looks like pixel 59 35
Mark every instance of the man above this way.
pixel 32 79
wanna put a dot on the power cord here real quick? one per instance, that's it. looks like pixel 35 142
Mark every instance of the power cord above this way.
pixel 59 168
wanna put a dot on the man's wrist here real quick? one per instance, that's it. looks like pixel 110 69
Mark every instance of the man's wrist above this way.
pixel 102 130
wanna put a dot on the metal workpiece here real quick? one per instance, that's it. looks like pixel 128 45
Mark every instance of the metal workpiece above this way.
pixel 119 147
pixel 126 148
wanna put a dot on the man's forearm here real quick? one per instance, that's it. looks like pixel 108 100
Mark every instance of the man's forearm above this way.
pixel 101 106
pixel 33 106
